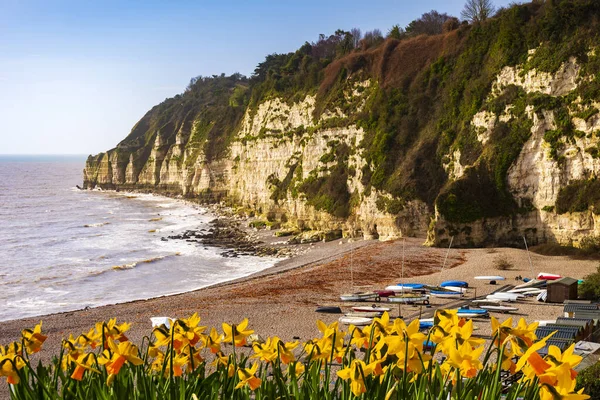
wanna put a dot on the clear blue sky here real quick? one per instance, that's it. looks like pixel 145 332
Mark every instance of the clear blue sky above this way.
pixel 75 76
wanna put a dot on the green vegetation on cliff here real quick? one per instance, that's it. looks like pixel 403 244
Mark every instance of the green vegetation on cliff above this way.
pixel 423 92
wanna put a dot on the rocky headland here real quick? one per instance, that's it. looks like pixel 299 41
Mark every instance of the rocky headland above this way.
pixel 484 134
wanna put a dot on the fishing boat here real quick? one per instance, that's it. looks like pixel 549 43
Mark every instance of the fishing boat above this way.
pixel 371 309
pixel 359 296
pixel 357 321
pixel 498 308
pixel 462 311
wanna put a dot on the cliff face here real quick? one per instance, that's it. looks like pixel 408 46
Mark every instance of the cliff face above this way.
pixel 485 134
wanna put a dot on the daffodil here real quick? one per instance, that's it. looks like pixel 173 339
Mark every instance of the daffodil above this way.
pixel 356 373
pixel 9 367
pixel 118 355
pixel 33 339
pixel 225 361
pixel 536 366
pixel 237 333
pixel 466 359
pixel 285 351
pixel 297 367
pixel 266 351
pixel 548 392
pixel 113 331
pixel 82 364
pixel 248 378
pixel 319 349
pixel 213 341
pixel 163 364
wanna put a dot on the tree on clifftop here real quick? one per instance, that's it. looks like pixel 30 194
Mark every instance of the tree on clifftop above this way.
pixel 477 10
pixel 429 24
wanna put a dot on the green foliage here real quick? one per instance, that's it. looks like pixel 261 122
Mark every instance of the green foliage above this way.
pixel 589 379
pixel 330 192
pixel 578 196
pixel 590 288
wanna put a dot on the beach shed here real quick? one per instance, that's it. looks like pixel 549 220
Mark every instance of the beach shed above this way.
pixel 561 290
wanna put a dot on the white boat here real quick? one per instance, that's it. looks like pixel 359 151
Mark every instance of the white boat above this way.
pixel 504 296
pixel 372 314
pixel 456 289
pixel 488 302
pixel 523 290
pixel 357 321
pixel 542 296
pixel 372 308
pixel 446 294
pixel 360 296
pixel 471 315
pixel 498 308
pixel 490 278
pixel 533 292
pixel 407 298
pixel 400 288
pixel 534 283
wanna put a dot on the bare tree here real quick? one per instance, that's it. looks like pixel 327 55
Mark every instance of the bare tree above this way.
pixel 477 10
pixel 371 38
pixel 429 24
pixel 356 36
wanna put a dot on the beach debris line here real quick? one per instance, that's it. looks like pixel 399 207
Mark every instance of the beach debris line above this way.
pixel 370 359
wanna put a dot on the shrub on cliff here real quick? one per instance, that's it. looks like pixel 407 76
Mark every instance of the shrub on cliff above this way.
pixel 590 288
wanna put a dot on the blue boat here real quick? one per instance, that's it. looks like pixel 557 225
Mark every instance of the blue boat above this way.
pixel 412 285
pixel 462 284
pixel 471 311
pixel 425 324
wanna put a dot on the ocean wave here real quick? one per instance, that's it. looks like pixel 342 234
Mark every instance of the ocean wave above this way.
pixel 96 225
pixel 146 261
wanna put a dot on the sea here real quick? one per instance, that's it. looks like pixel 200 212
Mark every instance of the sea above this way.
pixel 64 249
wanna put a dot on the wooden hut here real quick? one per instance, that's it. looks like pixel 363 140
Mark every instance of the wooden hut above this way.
pixel 561 290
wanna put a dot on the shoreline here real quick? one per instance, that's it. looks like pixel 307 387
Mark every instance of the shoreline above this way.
pixel 282 301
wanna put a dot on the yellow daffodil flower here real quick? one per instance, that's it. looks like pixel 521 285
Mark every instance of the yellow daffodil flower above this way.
pixel 237 333
pixel 82 364
pixel 466 359
pixel 285 351
pixel 266 351
pixel 33 339
pixel 548 392
pixel 356 373
pixel 9 365
pixel 111 330
pixel 319 349
pixel 213 341
pixel 247 377
pixel 121 353
pixel 297 367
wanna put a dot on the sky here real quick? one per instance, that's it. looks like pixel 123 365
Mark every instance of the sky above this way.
pixel 75 76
